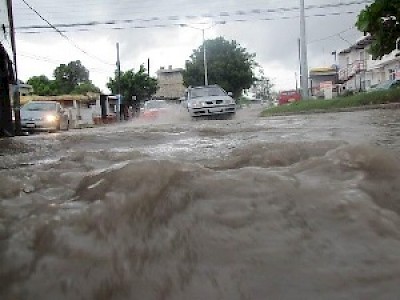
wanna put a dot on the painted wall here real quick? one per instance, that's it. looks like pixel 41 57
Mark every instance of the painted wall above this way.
pixel 5 37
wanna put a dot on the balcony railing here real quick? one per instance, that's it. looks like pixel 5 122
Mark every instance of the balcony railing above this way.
pixel 354 68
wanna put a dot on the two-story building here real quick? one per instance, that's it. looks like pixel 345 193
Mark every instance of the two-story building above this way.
pixel 170 83
pixel 358 71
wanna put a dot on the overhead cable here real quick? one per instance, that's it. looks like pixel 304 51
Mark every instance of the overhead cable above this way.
pixel 171 25
pixel 193 17
pixel 64 36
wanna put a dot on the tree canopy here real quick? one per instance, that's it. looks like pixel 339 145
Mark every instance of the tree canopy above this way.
pixel 42 85
pixel 228 65
pixel 132 83
pixel 72 78
pixel 381 20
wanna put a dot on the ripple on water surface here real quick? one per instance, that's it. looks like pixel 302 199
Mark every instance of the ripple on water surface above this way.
pixel 299 221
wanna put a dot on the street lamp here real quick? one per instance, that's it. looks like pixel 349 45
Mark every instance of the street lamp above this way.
pixel 204 46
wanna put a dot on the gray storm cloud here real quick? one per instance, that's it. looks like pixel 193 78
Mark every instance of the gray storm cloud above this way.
pixel 268 28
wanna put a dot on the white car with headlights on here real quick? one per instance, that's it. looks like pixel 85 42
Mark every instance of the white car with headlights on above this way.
pixel 211 100
pixel 44 116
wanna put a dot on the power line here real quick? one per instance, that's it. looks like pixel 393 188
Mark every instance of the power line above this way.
pixel 132 7
pixel 63 35
pixel 221 14
pixel 54 61
pixel 170 25
pixel 331 36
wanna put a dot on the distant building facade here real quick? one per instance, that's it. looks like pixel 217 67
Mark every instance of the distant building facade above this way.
pixel 170 82
pixel 358 71
pixel 323 82
pixel 25 89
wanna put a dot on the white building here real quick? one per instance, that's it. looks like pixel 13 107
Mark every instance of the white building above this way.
pixel 358 71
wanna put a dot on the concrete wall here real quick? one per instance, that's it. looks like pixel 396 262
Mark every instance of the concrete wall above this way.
pixel 170 82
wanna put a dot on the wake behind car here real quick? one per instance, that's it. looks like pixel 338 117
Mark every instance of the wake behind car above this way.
pixel 43 116
pixel 209 100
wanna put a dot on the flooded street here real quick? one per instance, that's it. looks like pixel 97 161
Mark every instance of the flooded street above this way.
pixel 294 207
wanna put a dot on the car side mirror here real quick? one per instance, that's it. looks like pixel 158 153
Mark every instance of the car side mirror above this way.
pixel 230 94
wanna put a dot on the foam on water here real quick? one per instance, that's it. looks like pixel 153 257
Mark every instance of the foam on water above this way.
pixel 310 220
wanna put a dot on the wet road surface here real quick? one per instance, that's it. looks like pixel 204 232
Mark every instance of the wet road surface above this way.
pixel 295 207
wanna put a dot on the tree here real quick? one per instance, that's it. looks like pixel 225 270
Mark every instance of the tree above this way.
pixel 84 88
pixel 381 20
pixel 42 85
pixel 68 77
pixel 138 84
pixel 228 65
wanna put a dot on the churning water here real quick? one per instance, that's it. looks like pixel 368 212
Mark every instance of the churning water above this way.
pixel 300 207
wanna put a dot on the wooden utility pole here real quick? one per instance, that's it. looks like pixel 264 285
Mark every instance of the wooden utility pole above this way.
pixel 16 94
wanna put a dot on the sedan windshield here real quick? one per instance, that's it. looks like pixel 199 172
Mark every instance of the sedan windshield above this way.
pixel 155 104
pixel 207 91
pixel 39 106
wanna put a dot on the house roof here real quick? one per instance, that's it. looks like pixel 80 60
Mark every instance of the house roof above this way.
pixel 323 71
pixel 79 98
pixel 361 43
pixel 170 70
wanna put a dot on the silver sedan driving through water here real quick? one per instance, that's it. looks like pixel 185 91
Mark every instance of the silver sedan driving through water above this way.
pixel 210 101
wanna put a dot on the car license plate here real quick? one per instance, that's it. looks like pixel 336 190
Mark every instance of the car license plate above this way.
pixel 215 110
pixel 30 125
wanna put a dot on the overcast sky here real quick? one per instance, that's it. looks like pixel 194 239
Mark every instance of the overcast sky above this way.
pixel 150 30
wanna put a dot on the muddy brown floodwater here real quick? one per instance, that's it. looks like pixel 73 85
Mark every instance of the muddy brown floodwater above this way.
pixel 295 207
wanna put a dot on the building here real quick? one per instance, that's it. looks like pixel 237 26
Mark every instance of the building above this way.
pixel 170 83
pixel 323 82
pixel 260 91
pixel 81 108
pixel 358 71
pixel 24 89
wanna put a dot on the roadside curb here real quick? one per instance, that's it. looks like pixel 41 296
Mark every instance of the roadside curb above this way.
pixel 395 105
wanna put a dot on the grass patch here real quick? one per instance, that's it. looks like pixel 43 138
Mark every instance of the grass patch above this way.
pixel 358 100
pixel 243 101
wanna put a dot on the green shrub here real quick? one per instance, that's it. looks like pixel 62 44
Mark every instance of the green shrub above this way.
pixel 360 99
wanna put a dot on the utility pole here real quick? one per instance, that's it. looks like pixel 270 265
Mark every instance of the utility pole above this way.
pixel 16 94
pixel 204 47
pixel 303 54
pixel 118 85
pixel 205 61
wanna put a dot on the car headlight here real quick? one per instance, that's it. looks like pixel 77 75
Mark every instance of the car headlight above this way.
pixel 51 118
pixel 197 104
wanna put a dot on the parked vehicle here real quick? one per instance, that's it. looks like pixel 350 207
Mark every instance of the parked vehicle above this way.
pixel 154 108
pixel 286 97
pixel 44 116
pixel 386 85
pixel 209 100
